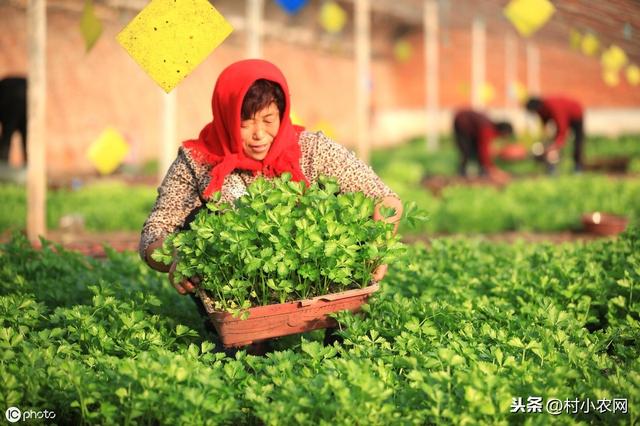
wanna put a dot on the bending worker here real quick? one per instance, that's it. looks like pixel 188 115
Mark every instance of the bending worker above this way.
pixel 474 132
pixel 565 114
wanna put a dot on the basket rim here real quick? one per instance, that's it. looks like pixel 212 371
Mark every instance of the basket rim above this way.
pixel 373 287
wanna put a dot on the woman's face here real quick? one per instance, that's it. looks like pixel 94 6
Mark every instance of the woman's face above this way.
pixel 258 132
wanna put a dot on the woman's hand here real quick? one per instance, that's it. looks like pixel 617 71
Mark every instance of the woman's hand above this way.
pixel 379 273
pixel 498 176
pixel 396 204
pixel 389 202
pixel 186 285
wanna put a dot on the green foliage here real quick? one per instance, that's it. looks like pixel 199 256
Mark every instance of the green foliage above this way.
pixel 411 161
pixel 458 330
pixel 100 204
pixel 531 202
pixel 281 242
pixel 541 204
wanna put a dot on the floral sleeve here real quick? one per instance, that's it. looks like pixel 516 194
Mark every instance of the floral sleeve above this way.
pixel 177 197
pixel 333 159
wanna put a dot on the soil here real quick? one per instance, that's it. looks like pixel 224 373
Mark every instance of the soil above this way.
pixel 91 244
pixel 436 184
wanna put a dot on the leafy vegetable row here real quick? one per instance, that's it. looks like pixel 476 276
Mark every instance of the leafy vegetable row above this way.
pixel 458 331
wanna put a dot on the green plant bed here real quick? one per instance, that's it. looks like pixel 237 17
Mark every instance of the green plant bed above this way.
pixel 407 160
pixel 543 204
pixel 458 331
pixel 108 206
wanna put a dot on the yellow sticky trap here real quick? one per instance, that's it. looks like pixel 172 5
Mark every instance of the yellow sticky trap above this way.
pixel 487 92
pixel 169 39
pixel 108 151
pixel 332 17
pixel 402 50
pixel 590 44
pixel 614 58
pixel 90 25
pixel 326 128
pixel 575 39
pixel 610 77
pixel 295 118
pixel 633 74
pixel 464 88
pixel 528 15
pixel 520 91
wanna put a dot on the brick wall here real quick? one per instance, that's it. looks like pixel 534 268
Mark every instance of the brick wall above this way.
pixel 89 91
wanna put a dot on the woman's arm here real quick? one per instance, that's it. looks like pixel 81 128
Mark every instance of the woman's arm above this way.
pixel 149 251
pixel 353 175
pixel 177 197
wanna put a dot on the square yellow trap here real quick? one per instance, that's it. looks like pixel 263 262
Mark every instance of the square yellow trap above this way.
pixel 614 58
pixel 108 151
pixel 168 39
pixel 90 25
pixel 529 15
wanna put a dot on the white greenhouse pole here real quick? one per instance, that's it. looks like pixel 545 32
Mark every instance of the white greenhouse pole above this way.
pixel 533 69
pixel 431 53
pixel 478 61
pixel 169 134
pixel 36 117
pixel 363 75
pixel 510 70
pixel 255 12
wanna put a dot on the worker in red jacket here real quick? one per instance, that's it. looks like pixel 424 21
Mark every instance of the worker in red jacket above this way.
pixel 566 114
pixel 474 132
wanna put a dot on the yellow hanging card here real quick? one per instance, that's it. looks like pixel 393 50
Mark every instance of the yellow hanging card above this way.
pixel 295 118
pixel 487 92
pixel 614 58
pixel 90 25
pixel 590 44
pixel 633 74
pixel 520 91
pixel 326 128
pixel 332 17
pixel 575 39
pixel 528 16
pixel 107 152
pixel 611 77
pixel 169 39
pixel 402 50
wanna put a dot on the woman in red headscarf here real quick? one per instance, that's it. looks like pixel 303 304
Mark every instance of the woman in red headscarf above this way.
pixel 250 135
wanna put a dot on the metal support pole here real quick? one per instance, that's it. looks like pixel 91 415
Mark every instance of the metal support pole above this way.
pixel 478 61
pixel 169 134
pixel 510 70
pixel 255 11
pixel 363 77
pixel 431 71
pixel 533 69
pixel 36 117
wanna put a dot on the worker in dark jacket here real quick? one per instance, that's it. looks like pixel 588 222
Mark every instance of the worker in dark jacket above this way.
pixel 474 132
pixel 13 114
pixel 565 114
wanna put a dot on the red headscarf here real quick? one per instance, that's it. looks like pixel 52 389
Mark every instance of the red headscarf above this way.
pixel 219 142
